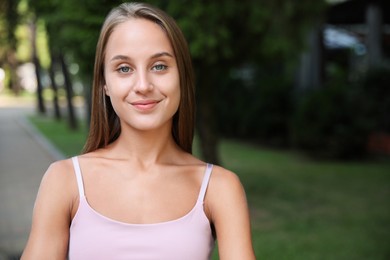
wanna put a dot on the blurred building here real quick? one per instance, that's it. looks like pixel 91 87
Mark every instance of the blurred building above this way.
pixel 355 36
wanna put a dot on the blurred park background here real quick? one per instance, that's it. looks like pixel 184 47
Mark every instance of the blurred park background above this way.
pixel 293 96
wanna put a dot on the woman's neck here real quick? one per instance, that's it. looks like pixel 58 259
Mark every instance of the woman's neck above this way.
pixel 145 147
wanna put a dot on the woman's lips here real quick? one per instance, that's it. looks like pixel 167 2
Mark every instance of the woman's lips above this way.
pixel 145 105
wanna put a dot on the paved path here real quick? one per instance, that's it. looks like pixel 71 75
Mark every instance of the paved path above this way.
pixel 24 157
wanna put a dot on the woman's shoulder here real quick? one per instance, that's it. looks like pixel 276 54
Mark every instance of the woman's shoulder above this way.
pixel 223 178
pixel 60 174
pixel 220 176
pixel 224 185
pixel 58 188
pixel 60 169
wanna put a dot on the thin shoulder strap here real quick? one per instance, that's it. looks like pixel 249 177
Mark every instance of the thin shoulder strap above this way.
pixel 79 177
pixel 205 182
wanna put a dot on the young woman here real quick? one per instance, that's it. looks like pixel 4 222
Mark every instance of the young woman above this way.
pixel 137 192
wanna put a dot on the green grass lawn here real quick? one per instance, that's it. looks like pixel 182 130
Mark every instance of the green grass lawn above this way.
pixel 301 209
pixel 69 142
pixel 304 209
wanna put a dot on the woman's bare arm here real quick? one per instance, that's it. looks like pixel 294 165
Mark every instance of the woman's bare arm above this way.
pixel 229 212
pixel 52 214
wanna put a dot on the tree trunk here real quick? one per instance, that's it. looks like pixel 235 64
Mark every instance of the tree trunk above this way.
pixel 13 66
pixel 11 21
pixel 69 94
pixel 41 102
pixel 57 112
pixel 37 65
pixel 206 117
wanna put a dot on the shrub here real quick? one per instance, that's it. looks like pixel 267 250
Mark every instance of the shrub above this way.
pixel 333 122
pixel 376 88
pixel 259 111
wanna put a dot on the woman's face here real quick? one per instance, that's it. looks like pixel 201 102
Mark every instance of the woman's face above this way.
pixel 141 75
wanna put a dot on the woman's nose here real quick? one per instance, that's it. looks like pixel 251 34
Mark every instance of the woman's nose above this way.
pixel 143 82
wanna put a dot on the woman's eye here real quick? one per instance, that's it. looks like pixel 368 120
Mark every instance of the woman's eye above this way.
pixel 124 69
pixel 160 67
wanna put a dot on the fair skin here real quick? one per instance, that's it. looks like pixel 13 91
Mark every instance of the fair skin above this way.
pixel 142 82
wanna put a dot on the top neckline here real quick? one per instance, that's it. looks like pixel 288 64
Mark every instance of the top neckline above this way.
pixel 84 201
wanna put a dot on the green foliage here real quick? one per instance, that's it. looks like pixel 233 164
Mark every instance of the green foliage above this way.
pixel 73 28
pixel 376 86
pixel 14 34
pixel 24 46
pixel 225 37
pixel 244 31
pixel 218 32
pixel 333 122
pixel 257 109
pixel 42 42
pixel 9 21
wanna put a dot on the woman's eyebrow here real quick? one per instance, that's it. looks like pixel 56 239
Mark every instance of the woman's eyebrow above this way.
pixel 161 54
pixel 154 56
pixel 120 57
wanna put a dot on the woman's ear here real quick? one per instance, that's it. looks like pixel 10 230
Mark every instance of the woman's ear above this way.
pixel 106 90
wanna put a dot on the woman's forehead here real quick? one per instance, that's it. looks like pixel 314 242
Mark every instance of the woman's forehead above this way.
pixel 136 37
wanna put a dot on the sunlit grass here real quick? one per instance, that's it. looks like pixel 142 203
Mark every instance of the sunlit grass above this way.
pixel 69 142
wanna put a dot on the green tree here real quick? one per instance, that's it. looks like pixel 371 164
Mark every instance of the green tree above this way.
pixel 9 19
pixel 72 28
pixel 230 36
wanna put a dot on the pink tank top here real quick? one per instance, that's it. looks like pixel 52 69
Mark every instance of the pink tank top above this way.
pixel 94 236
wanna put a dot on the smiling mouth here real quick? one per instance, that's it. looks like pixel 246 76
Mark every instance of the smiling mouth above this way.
pixel 145 105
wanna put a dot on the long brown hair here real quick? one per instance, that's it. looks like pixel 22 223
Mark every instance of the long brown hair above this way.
pixel 105 125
